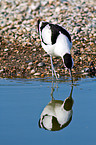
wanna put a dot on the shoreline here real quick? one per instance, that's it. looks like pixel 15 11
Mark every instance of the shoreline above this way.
pixel 21 55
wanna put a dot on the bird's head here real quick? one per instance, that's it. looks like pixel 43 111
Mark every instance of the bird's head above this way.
pixel 41 24
pixel 38 25
pixel 68 63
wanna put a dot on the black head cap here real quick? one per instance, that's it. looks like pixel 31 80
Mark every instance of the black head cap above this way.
pixel 68 60
pixel 38 22
pixel 68 104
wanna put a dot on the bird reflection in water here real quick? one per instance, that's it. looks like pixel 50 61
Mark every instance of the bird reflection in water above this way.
pixel 57 114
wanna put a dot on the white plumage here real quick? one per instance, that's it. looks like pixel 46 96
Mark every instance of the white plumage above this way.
pixel 56 41
pixel 57 114
pixel 55 110
pixel 46 35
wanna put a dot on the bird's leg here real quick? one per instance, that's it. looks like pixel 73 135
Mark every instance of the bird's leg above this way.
pixel 53 70
pixel 64 67
pixel 52 66
pixel 71 76
pixel 54 85
pixel 52 90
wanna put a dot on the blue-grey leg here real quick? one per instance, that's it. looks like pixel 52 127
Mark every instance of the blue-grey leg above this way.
pixel 52 90
pixel 71 75
pixel 64 68
pixel 54 85
pixel 53 70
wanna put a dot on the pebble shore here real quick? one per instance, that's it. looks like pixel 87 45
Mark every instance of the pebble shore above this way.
pixel 21 54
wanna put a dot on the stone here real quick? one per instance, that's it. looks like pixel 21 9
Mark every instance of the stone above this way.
pixel 41 64
pixel 32 71
pixel 30 63
pixel 1 70
pixel 29 67
pixel 37 74
pixel 20 44
pixel 6 49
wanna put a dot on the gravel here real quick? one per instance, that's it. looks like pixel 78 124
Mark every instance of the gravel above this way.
pixel 21 54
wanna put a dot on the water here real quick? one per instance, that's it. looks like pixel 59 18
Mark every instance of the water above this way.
pixel 22 102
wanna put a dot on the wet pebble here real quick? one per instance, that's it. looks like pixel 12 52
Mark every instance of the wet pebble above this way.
pixel 32 71
pixel 1 70
pixel 41 64
pixel 20 42
pixel 29 67
pixel 37 74
pixel 30 63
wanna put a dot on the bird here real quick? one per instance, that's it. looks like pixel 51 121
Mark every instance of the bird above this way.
pixel 56 41
pixel 57 114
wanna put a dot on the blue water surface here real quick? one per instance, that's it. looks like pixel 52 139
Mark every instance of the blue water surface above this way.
pixel 21 104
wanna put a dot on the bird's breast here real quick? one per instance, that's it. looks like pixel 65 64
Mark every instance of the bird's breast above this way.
pixel 50 49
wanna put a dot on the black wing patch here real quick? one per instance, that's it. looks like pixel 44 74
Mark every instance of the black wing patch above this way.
pixel 55 33
pixel 56 29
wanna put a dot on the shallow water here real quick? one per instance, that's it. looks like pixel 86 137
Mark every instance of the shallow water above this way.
pixel 22 102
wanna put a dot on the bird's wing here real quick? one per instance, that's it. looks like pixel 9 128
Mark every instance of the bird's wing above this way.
pixel 64 32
